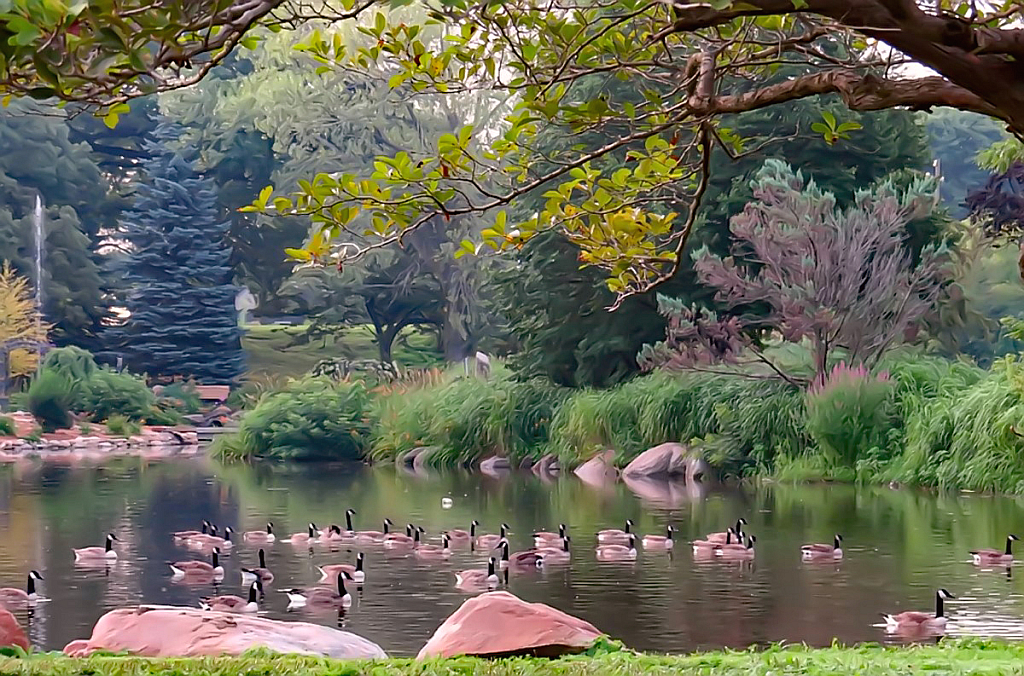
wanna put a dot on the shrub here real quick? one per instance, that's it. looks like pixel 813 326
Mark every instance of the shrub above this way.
pixel 49 400
pixel 182 396
pixel 310 419
pixel 73 363
pixel 120 426
pixel 7 427
pixel 849 413
pixel 110 392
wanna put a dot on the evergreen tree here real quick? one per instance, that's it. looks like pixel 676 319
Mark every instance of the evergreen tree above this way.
pixel 40 159
pixel 177 273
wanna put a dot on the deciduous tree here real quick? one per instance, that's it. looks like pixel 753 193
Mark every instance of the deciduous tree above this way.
pixel 840 279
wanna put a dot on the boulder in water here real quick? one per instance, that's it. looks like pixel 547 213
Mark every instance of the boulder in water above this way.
pixel 599 470
pixel 667 460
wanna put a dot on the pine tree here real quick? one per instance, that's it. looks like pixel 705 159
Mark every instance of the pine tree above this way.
pixel 178 273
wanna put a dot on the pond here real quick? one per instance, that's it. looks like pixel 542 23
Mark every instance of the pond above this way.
pixel 900 545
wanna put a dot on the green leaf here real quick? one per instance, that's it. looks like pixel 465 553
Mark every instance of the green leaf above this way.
pixel 299 254
pixel 265 196
pixel 829 118
pixel 111 119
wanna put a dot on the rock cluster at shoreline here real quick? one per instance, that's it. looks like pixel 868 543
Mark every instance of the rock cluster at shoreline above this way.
pixel 95 441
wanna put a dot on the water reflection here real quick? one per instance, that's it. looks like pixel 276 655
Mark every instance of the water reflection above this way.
pixel 899 547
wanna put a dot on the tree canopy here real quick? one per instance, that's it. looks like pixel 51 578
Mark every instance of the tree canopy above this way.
pixel 695 64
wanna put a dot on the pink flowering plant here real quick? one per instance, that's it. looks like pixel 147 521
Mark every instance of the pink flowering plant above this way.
pixel 850 414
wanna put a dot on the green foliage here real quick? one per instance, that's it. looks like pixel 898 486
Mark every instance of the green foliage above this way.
pixel 121 426
pixel 849 415
pixel 957 138
pixel 968 436
pixel 39 158
pixel 310 419
pixel 7 427
pixel 181 396
pixel 739 425
pixel 71 362
pixel 50 397
pixel 110 393
pixel 468 419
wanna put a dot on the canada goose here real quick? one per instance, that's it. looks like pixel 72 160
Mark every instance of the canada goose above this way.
pixel 399 540
pixel 616 552
pixel 354 573
pixel 349 530
pixel 491 541
pixel 261 536
pixel 262 573
pixel 230 603
pixel 709 545
pixel 823 552
pixel 915 622
pixel 737 551
pixel 503 560
pixel 555 554
pixel 530 558
pixel 186 534
pixel 983 556
pixel 736 530
pixel 547 539
pixel 203 541
pixel 183 568
pixel 463 536
pixel 478 578
pixel 432 551
pixel 304 538
pixel 373 537
pixel 331 534
pixel 13 597
pixel 321 596
pixel 614 536
pixel 93 553
pixel 660 541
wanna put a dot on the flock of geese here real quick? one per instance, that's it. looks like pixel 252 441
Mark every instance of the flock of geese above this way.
pixel 549 549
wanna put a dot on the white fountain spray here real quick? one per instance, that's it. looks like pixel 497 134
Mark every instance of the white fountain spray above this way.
pixel 38 222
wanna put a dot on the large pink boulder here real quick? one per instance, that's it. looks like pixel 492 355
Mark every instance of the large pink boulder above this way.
pixel 599 470
pixel 172 631
pixel 498 624
pixel 667 460
pixel 11 632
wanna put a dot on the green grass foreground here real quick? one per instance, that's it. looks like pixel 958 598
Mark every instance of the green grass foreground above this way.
pixel 967 656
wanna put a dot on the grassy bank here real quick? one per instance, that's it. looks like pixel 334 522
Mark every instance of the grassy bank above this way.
pixel 949 657
pixel 918 419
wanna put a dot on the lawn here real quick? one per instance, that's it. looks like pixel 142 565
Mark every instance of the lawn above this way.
pixel 959 657
pixel 274 351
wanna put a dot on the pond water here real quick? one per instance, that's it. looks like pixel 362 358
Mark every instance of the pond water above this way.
pixel 900 545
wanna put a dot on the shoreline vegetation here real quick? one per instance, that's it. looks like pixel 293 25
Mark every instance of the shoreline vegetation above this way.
pixel 918 420
pixel 959 656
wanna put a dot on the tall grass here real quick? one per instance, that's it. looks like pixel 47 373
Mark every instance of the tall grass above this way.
pixel 466 419
pixel 739 424
pixel 969 435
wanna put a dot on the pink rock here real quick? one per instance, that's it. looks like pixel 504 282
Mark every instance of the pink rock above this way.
pixel 667 460
pixel 171 631
pixel 11 632
pixel 498 624
pixel 599 470
pixel 495 466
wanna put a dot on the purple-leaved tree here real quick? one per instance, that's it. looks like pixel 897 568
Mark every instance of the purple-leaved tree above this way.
pixel 839 278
